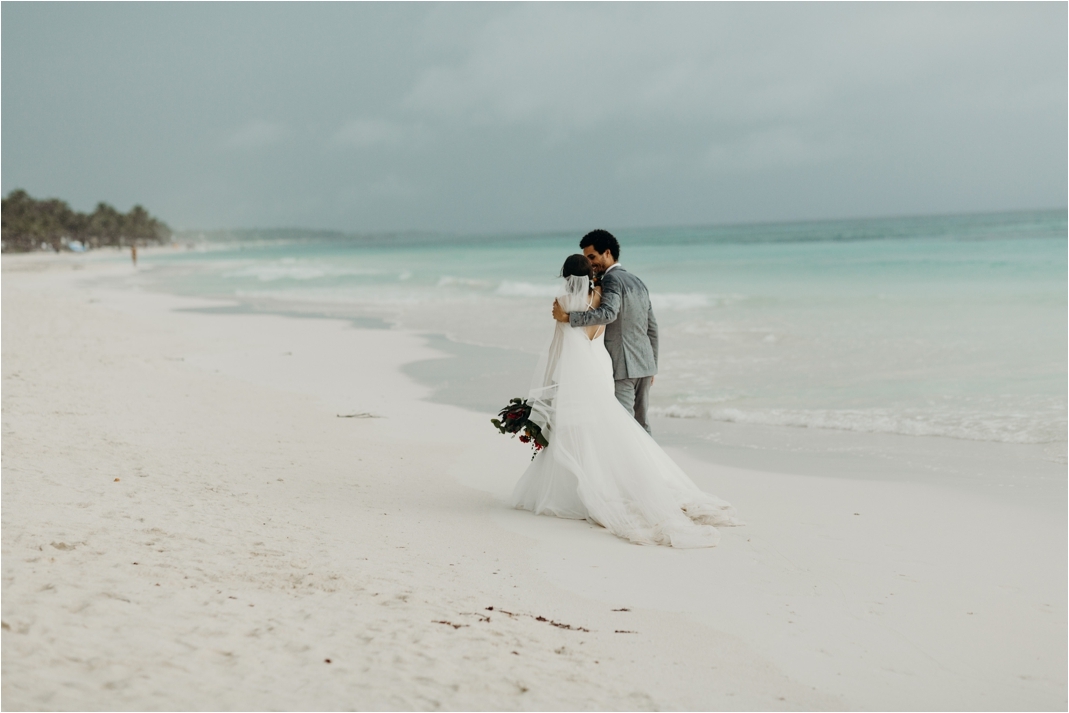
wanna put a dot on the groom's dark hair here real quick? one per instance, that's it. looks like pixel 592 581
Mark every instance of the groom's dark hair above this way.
pixel 601 240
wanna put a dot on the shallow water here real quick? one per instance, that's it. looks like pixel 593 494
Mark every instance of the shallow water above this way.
pixel 947 326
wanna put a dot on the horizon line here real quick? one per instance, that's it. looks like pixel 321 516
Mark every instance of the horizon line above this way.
pixel 569 231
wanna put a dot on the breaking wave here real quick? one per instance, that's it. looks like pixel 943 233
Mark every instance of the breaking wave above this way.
pixel 527 289
pixel 1000 427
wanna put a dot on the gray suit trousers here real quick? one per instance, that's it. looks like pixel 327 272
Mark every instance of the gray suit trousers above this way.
pixel 634 395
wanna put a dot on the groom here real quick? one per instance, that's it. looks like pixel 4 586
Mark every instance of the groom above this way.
pixel 630 328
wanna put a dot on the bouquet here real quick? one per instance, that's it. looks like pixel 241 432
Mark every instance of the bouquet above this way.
pixel 516 418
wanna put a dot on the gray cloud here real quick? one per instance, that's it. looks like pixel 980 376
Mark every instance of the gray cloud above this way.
pixel 530 116
pixel 362 133
pixel 255 134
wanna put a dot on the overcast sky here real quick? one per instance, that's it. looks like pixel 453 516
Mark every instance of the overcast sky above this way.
pixel 534 116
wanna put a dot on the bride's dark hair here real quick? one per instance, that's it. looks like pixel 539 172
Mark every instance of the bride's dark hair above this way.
pixel 576 265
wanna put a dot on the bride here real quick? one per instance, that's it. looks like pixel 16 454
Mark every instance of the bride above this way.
pixel 600 464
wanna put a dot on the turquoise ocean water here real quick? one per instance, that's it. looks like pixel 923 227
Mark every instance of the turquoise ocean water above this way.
pixel 937 326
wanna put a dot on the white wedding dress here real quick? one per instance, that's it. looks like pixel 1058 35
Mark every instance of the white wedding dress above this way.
pixel 600 464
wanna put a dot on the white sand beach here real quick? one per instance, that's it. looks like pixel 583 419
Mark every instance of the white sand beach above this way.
pixel 189 524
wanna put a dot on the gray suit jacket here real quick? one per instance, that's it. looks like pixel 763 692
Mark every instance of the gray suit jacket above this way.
pixel 630 328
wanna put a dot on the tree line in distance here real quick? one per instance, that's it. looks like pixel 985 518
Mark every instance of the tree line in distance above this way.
pixel 51 224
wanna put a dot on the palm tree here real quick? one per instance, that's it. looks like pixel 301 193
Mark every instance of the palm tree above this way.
pixel 29 223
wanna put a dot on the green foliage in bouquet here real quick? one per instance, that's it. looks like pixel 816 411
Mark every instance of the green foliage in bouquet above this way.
pixel 516 419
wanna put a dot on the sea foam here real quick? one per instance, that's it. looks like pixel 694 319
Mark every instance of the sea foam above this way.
pixel 972 426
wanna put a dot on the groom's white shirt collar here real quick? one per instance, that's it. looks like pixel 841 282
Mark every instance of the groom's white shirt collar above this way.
pixel 607 271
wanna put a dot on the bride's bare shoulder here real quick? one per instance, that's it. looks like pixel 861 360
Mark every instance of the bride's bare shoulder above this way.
pixel 595 298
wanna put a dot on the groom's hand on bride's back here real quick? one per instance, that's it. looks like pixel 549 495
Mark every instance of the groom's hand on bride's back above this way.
pixel 559 314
